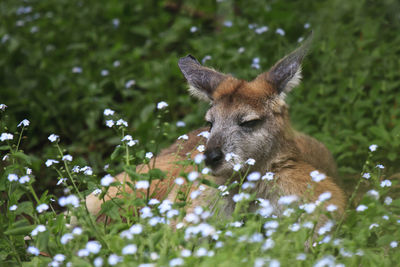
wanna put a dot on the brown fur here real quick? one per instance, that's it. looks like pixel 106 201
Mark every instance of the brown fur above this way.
pixel 271 141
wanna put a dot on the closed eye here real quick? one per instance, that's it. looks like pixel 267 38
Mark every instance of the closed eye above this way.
pixel 250 123
pixel 209 124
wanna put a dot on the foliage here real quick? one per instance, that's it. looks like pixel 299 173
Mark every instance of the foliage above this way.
pixel 63 62
pixel 33 233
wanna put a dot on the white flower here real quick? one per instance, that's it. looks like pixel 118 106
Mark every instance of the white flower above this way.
pixel 186 253
pixel 195 194
pixel 361 208
pixel 136 229
pixel 373 193
pixel 66 238
pixel 247 185
pixel 33 250
pixel 50 162
pixel 201 252
pixel 199 158
pixel 67 158
pixel 122 122
pixel 316 176
pixel 76 70
pixel 228 23
pixel 268 244
pixel 42 207
pixel 300 39
pixel 176 262
pixel 386 183
pixel 254 176
pixel 193 29
pixel 154 201
pixel 98 262
pixel 380 166
pixel 129 249
pixel 307 25
pixel 308 207
pixel 201 148
pixel 162 105
pixel 237 167
pixel 149 155
pixel 12 177
pixel 204 134
pixel 180 124
pixel 193 176
pixel 3 107
pixel 183 137
pixel 59 257
pixel 109 123
pixel 287 200
pixel 53 137
pixel 165 206
pixel 107 180
pixel 331 208
pixel 77 231
pixel 269 176
pixel 24 123
pixel 104 72
pixel 271 225
pixel 326 227
pixel 373 225
pixel 130 83
pixel 393 244
pixel 241 50
pixel 240 197
pixel 280 31
pixel 13 207
pixel 261 30
pixel 308 225
pixel 108 112
pixel 142 184
pixel 179 181
pixel 116 63
pixel 205 170
pixel 250 161
pixel 366 175
pixel 69 200
pixel 93 247
pixel 146 212
pixel 114 259
pixel 301 257
pixel 326 261
pixel 205 59
pixel 325 196
pixel 132 142
pixel 372 148
pixel 39 229
pixel 97 192
pixel 388 200
pixel 28 171
pixel 6 136
pixel 294 227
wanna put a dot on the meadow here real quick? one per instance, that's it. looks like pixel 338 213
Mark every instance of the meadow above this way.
pixel 89 89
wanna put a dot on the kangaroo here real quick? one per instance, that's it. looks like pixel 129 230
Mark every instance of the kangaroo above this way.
pixel 247 120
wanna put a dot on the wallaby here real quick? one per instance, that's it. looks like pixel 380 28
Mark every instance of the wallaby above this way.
pixel 248 120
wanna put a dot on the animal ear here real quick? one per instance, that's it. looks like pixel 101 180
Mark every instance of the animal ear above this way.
pixel 286 73
pixel 202 80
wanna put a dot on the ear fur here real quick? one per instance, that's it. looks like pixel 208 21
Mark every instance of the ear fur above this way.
pixel 286 73
pixel 202 80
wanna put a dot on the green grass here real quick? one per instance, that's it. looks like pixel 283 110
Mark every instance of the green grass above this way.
pixel 349 100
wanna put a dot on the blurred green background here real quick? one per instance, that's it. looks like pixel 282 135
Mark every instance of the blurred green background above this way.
pixel 62 62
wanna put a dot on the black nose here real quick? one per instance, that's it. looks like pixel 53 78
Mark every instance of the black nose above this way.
pixel 213 157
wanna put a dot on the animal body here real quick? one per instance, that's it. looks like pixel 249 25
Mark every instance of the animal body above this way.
pixel 248 120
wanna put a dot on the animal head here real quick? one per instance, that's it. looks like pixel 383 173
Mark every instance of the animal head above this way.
pixel 248 119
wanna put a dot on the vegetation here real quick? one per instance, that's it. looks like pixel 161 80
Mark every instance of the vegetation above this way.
pixel 63 63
